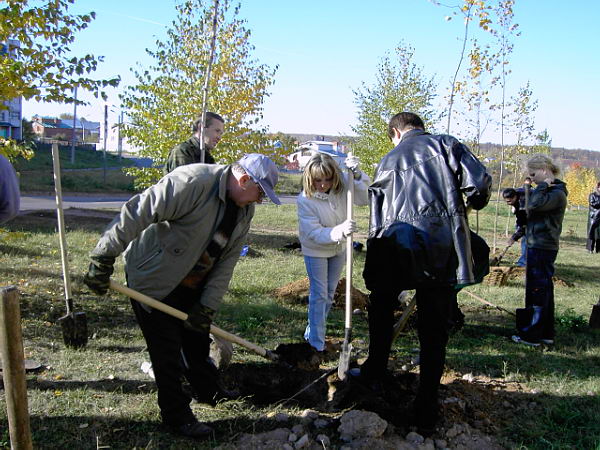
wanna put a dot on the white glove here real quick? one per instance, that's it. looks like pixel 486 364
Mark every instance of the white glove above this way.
pixel 352 162
pixel 343 230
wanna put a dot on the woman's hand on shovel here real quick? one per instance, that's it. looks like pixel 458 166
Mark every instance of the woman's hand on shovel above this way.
pixel 98 276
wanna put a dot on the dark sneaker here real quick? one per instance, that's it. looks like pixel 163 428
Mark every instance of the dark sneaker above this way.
pixel 520 340
pixel 194 430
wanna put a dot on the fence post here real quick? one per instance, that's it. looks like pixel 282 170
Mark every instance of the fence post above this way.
pixel 15 388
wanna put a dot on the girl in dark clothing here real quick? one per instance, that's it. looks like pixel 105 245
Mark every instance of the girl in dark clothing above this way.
pixel 545 213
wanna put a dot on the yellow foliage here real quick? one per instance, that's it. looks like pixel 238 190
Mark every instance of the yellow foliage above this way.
pixel 580 182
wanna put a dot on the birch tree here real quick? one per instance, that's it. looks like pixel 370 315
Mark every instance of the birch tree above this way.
pixel 400 85
pixel 168 95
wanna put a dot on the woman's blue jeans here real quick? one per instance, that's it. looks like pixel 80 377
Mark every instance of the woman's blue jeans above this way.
pixel 323 275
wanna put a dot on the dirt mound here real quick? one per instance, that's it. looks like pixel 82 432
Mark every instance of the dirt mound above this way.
pixel 470 405
pixel 297 292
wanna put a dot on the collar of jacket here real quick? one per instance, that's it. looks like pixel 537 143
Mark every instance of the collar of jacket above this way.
pixel 412 133
pixel 223 183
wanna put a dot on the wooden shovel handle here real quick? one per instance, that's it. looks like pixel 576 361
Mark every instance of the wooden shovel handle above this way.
pixel 349 250
pixel 61 227
pixel 183 316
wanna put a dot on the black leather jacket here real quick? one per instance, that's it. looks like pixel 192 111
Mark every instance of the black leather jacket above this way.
pixel 594 215
pixel 418 232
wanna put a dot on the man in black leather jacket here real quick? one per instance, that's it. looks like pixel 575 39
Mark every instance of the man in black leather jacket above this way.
pixel 419 239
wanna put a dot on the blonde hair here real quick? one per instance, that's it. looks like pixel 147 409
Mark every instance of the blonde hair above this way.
pixel 321 165
pixel 541 161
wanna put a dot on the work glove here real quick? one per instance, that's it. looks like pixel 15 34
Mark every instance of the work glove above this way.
pixel 352 162
pixel 200 318
pixel 344 229
pixel 98 276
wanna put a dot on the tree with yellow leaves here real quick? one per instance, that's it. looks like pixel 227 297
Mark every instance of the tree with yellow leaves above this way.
pixel 168 95
pixel 580 182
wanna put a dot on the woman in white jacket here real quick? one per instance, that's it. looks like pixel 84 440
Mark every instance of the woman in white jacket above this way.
pixel 323 227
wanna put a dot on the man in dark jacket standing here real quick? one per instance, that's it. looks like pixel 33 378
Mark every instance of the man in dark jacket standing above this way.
pixel 419 239
pixel 190 152
pixel 593 226
pixel 515 198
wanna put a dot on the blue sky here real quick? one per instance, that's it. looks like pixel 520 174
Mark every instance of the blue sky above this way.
pixel 325 49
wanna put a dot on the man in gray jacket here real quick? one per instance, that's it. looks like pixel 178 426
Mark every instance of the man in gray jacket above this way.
pixel 181 239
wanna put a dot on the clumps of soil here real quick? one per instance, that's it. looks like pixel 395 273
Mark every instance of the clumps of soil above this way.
pixel 304 357
pixel 296 292
pixel 301 355
pixel 471 406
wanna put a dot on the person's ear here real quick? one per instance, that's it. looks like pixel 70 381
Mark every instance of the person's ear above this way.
pixel 243 180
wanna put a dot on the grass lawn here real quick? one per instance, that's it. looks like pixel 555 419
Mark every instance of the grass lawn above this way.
pixel 87 174
pixel 99 398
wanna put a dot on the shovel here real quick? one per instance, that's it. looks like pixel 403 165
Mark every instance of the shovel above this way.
pixel 344 362
pixel 268 354
pixel 496 259
pixel 73 324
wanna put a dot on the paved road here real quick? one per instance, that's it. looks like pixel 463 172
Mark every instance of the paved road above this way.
pixel 32 203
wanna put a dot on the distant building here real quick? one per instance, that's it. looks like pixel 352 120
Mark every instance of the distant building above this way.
pixel 11 115
pixel 52 128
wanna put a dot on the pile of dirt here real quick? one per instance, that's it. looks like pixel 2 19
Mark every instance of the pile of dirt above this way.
pixel 474 408
pixel 296 292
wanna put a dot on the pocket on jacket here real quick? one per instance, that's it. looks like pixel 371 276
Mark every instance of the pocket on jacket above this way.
pixel 146 261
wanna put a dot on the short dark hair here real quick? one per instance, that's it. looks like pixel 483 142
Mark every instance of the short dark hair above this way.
pixel 210 116
pixel 509 193
pixel 404 121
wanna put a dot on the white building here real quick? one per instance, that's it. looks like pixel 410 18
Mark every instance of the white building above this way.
pixel 305 150
pixel 115 141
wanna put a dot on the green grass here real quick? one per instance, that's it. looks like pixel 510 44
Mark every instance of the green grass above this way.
pixel 99 397
pixel 87 174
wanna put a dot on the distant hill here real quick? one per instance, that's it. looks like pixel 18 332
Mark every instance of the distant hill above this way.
pixel 563 156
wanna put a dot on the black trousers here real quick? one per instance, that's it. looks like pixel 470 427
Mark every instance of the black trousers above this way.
pixel 176 352
pixel 539 295
pixel 436 306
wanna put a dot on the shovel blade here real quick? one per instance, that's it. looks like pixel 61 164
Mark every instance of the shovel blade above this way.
pixel 74 329
pixel 344 362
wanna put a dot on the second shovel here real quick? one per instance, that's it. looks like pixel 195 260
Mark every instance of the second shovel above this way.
pixel 73 324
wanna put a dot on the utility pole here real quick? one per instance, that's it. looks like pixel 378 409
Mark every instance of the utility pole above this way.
pixel 105 140
pixel 73 137
pixel 119 135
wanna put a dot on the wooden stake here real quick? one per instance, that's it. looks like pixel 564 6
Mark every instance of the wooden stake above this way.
pixel 13 361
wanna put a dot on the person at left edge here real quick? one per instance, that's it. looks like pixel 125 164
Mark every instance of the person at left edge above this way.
pixel 9 191
pixel 181 240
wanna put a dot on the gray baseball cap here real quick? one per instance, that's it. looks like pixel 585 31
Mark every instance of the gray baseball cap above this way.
pixel 262 171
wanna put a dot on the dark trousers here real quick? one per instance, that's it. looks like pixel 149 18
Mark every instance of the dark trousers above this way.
pixel 436 308
pixel 539 295
pixel 175 352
